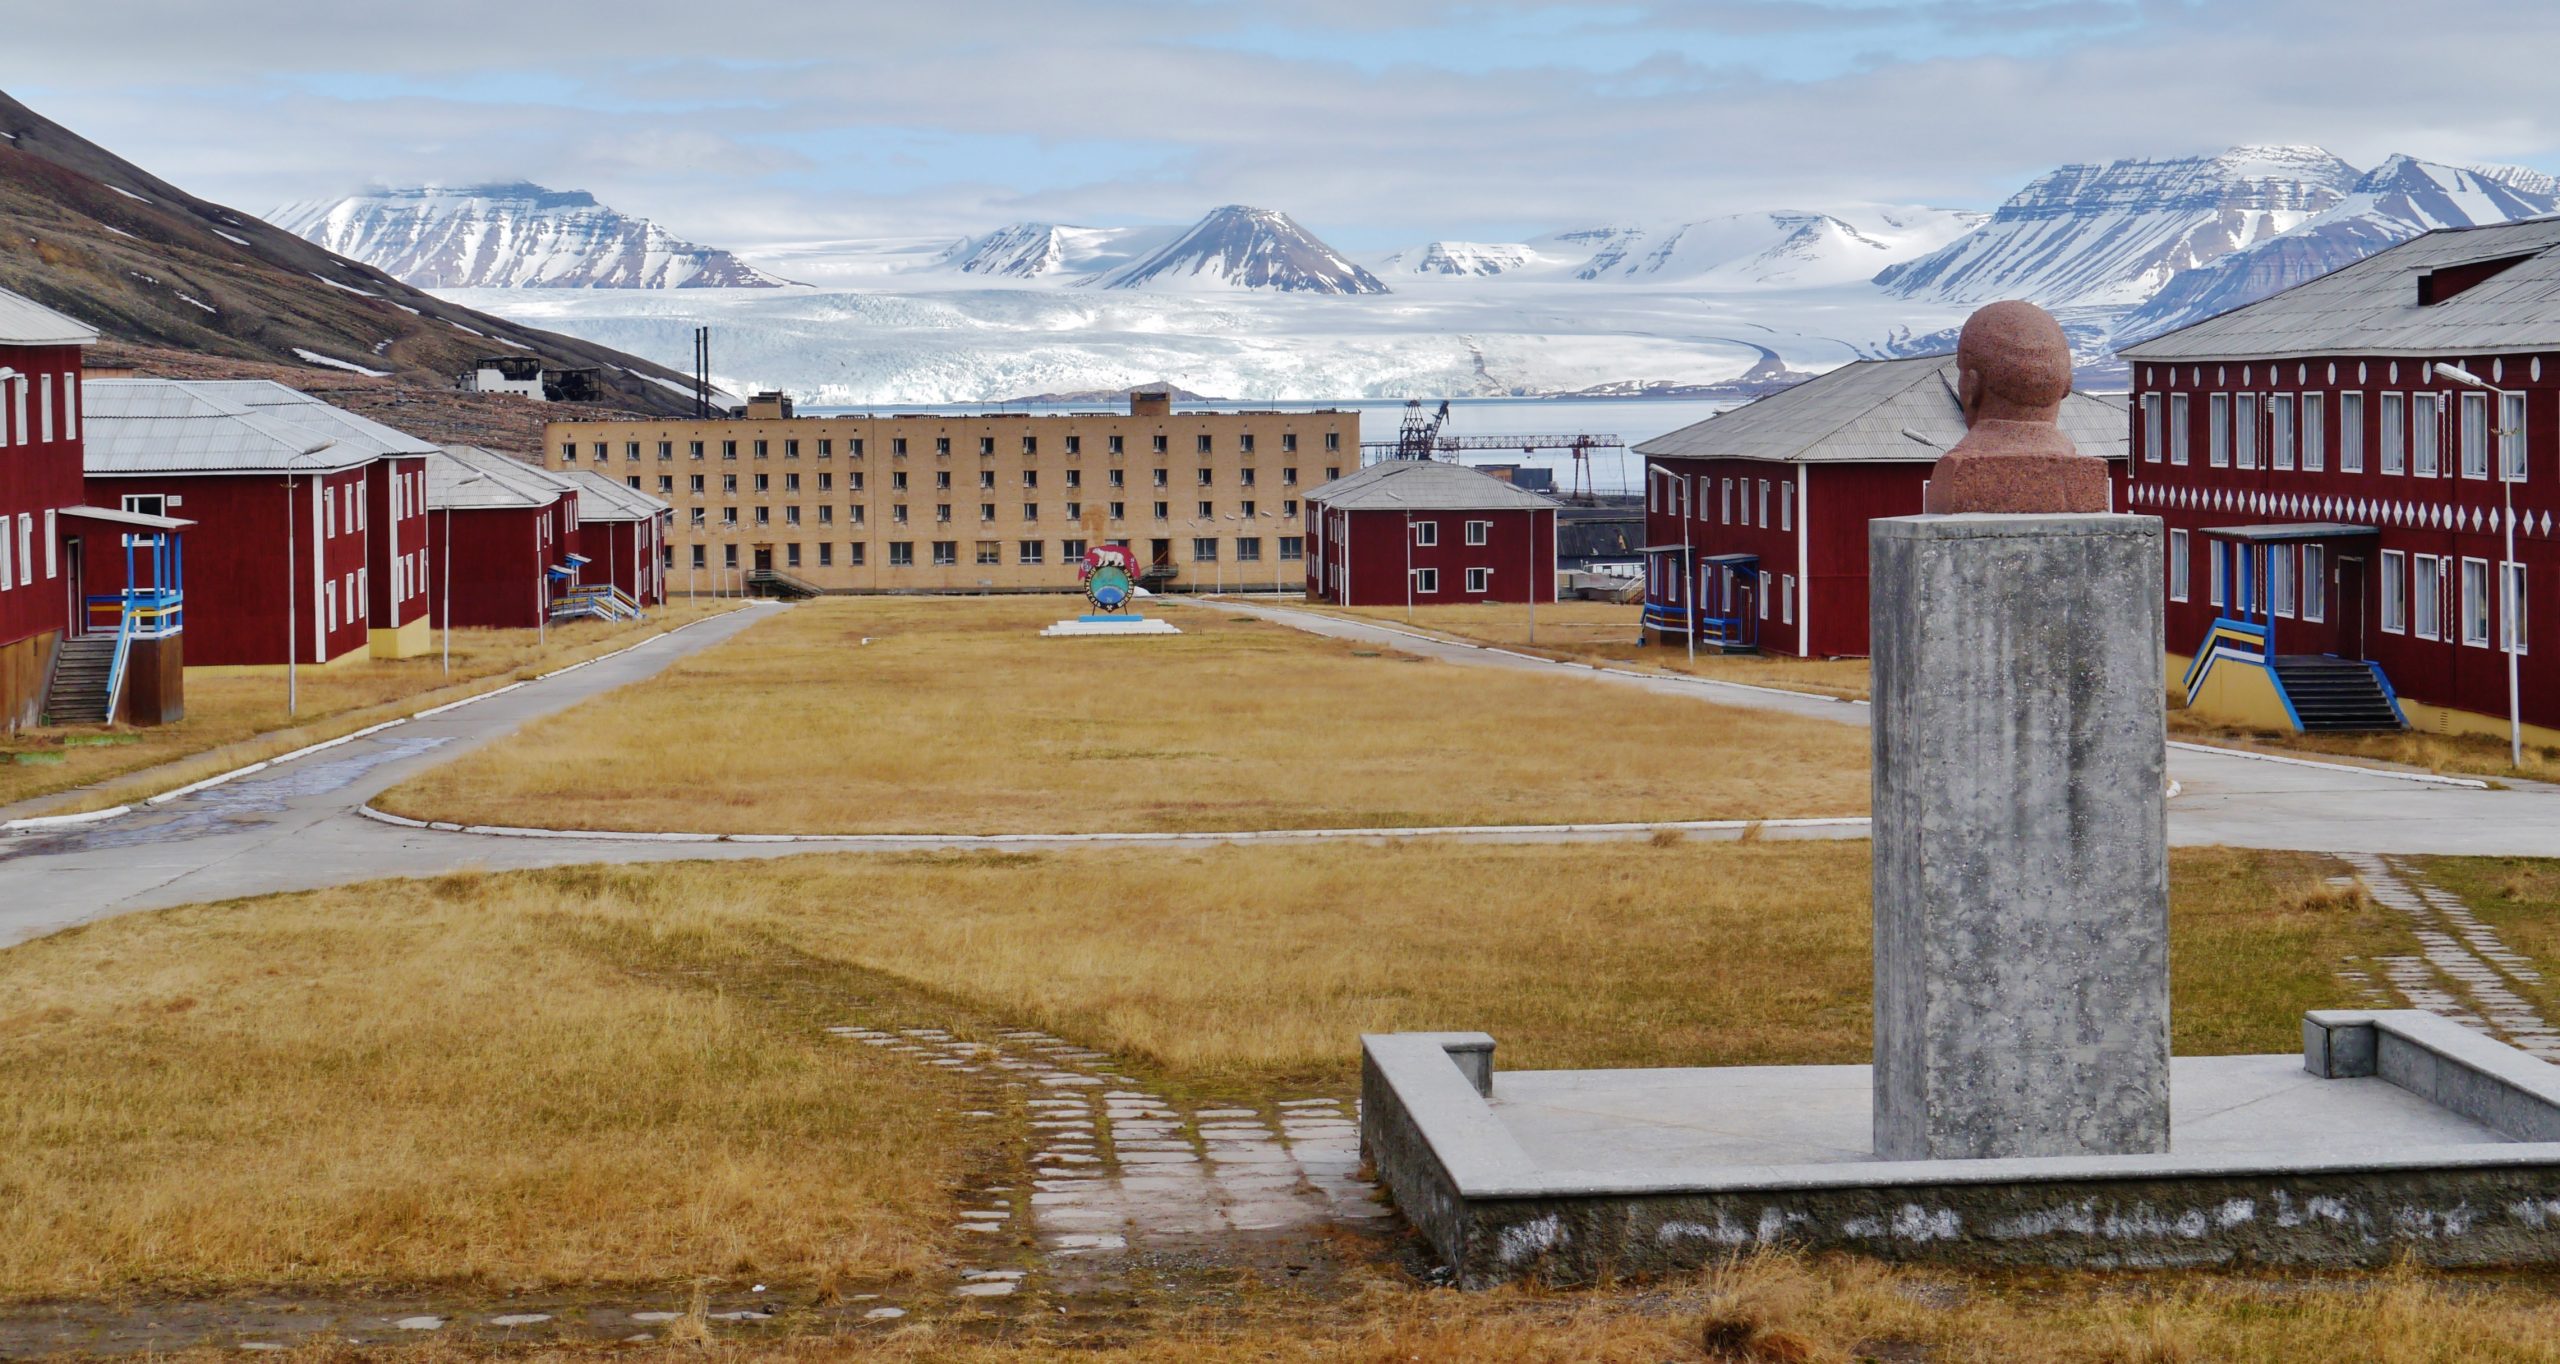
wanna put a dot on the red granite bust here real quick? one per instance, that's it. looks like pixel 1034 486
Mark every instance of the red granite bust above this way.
pixel 2013 369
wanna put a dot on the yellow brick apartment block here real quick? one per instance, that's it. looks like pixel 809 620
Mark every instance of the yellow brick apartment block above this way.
pixel 999 501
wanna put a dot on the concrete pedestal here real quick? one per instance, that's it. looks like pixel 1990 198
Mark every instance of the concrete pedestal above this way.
pixel 2021 867
pixel 1103 626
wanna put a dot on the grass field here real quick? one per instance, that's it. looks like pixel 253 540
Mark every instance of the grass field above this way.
pixel 620 1076
pixel 236 719
pixel 1606 632
pixel 856 715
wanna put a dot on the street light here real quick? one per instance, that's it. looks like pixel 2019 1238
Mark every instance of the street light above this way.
pixel 292 625
pixel 2509 589
pixel 448 567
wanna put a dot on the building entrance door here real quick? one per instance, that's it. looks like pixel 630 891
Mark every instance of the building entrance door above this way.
pixel 2350 607
pixel 764 558
pixel 72 579
pixel 1160 553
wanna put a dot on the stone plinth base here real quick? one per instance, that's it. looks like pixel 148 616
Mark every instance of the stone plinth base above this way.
pixel 2396 1134
pixel 1084 626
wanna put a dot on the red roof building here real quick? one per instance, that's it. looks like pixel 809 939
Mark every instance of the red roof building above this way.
pixel 2361 482
pixel 1423 533
pixel 1756 518
pixel 310 521
pixel 76 647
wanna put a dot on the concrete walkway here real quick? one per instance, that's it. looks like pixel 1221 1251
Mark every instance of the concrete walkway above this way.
pixel 2225 798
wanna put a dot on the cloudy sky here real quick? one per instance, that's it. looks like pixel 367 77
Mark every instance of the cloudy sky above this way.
pixel 1375 122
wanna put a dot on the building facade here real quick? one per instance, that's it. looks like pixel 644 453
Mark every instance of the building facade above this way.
pixel 1756 518
pixel 999 501
pixel 310 536
pixel 1423 533
pixel 622 533
pixel 2365 470
pixel 40 445
pixel 499 535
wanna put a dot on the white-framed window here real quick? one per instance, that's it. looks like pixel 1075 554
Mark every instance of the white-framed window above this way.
pixel 2244 430
pixel 2217 430
pixel 2426 596
pixel 1479 580
pixel 2315 582
pixel 1786 506
pixel 26 548
pixel 2426 435
pixel 1764 596
pixel 1727 518
pixel 2217 573
pixel 2351 433
pixel 1764 502
pixel 2475 603
pixel 328 606
pixel 2511 610
pixel 6 581
pixel 2152 443
pixel 2178 438
pixel 2395 433
pixel 2475 435
pixel 2178 570
pixel 2395 592
pixel 1426 581
pixel 2511 458
pixel 52 546
pixel 2280 431
pixel 1787 599
pixel 1426 533
pixel 1479 532
pixel 2280 582
pixel 2315 432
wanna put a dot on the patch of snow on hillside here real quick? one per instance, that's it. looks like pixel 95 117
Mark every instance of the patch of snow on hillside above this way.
pixel 316 358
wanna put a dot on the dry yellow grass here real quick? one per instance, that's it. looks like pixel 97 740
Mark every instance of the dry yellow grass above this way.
pixel 236 719
pixel 957 717
pixel 1607 632
pixel 493 1082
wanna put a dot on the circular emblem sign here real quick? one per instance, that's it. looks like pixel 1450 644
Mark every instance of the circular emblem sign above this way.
pixel 1110 578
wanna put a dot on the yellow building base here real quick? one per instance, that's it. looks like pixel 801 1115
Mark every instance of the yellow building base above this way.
pixel 2427 719
pixel 2235 693
pixel 409 639
pixel 359 654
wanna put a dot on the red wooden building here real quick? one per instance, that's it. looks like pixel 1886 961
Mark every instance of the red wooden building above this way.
pixel 75 647
pixel 1423 532
pixel 507 531
pixel 310 521
pixel 622 532
pixel 2360 478
pixel 1756 518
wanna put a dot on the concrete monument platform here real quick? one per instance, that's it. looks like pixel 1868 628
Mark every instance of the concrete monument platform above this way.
pixel 1092 626
pixel 2396 1132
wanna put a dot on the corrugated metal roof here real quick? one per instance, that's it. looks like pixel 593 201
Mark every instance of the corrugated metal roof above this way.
pixel 1857 414
pixel 2372 307
pixel 194 426
pixel 1423 485
pixel 600 498
pixel 473 478
pixel 25 322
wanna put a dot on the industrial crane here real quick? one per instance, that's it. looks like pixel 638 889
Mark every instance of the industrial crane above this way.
pixel 1420 438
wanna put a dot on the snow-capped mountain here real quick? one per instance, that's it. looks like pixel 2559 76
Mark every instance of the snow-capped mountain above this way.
pixel 1030 251
pixel 1237 247
pixel 1465 259
pixel 2393 202
pixel 1784 247
pixel 512 236
pixel 2112 235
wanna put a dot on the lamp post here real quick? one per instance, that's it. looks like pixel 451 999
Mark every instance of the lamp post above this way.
pixel 2508 588
pixel 292 624
pixel 447 590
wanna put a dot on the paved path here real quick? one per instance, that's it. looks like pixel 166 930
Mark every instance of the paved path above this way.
pixel 2224 798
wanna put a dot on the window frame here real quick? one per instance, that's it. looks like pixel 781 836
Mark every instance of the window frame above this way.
pixel 1426 534
pixel 1426 582
pixel 2395 592
pixel 2181 571
pixel 2314 588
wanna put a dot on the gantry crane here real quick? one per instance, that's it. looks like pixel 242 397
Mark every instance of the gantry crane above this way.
pixel 1420 438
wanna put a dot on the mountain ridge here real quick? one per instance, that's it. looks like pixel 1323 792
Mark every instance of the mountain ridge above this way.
pixel 511 234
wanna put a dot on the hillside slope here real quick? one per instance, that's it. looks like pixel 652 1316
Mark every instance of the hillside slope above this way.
pixel 90 234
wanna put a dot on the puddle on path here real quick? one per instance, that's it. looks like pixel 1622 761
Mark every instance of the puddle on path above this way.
pixel 223 809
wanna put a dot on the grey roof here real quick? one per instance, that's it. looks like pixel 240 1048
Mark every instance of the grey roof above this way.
pixel 600 498
pixel 25 322
pixel 2372 308
pixel 1424 485
pixel 1857 414
pixel 2284 532
pixel 201 426
pixel 473 478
